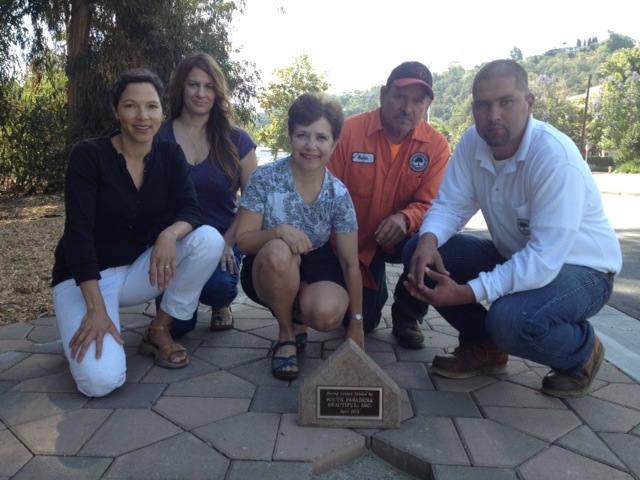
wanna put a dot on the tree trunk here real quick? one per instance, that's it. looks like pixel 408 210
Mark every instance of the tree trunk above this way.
pixel 77 67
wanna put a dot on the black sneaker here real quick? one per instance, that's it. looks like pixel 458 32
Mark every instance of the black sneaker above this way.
pixel 406 330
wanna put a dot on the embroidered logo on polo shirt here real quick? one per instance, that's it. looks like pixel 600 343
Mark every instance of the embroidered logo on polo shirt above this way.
pixel 361 157
pixel 523 226
pixel 419 162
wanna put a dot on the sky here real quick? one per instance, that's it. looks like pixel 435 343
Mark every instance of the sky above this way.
pixel 356 44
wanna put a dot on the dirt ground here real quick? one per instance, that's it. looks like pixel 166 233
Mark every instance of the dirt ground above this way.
pixel 30 228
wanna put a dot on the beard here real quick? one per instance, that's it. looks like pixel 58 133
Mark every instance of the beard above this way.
pixel 496 138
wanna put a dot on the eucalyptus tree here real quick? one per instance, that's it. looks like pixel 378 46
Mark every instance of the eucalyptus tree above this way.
pixel 101 39
pixel 59 60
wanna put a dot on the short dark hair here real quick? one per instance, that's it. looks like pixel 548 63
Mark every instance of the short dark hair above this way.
pixel 136 75
pixel 503 68
pixel 309 107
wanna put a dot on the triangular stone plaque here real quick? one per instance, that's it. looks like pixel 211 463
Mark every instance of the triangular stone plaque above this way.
pixel 350 390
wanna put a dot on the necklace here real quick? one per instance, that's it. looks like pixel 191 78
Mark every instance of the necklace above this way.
pixel 196 153
pixel 185 128
pixel 193 144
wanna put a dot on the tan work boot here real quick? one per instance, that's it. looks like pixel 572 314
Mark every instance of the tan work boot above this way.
pixel 467 362
pixel 406 329
pixel 578 384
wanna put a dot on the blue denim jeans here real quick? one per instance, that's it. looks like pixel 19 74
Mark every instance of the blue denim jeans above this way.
pixel 547 325
pixel 219 291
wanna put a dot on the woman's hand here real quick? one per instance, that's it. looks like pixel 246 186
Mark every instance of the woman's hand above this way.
pixel 163 266
pixel 355 332
pixel 228 260
pixel 297 241
pixel 95 324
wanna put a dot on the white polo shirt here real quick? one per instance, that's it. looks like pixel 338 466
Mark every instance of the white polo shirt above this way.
pixel 543 210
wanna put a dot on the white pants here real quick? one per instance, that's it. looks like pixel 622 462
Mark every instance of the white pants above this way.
pixel 198 254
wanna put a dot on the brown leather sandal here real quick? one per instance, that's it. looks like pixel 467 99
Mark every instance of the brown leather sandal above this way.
pixel 163 353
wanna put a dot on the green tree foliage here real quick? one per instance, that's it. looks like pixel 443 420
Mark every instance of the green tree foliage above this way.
pixel 570 67
pixel 451 107
pixel 101 39
pixel 360 101
pixel 291 81
pixel 461 121
pixel 618 42
pixel 516 54
pixel 617 108
pixel 15 36
pixel 32 150
pixel 154 34
pixel 451 89
pixel 554 106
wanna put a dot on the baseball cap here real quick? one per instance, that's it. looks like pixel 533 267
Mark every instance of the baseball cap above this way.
pixel 411 73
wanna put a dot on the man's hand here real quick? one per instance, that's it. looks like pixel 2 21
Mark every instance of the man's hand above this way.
pixel 392 230
pixel 445 294
pixel 425 254
pixel 427 261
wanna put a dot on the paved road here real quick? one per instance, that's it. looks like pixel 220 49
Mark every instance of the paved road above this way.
pixel 624 212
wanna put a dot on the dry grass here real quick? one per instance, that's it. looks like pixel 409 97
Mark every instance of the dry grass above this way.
pixel 30 228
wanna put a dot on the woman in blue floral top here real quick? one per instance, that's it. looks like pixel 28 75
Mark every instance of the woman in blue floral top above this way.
pixel 287 214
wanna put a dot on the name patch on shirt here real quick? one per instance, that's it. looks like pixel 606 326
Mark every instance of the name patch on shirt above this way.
pixel 523 226
pixel 361 157
pixel 419 162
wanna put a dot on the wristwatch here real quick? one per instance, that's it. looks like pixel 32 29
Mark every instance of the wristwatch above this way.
pixel 357 317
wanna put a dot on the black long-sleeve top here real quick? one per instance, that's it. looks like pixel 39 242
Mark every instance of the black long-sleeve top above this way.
pixel 108 221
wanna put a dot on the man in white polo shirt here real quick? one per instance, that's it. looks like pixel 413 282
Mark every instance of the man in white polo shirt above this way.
pixel 552 256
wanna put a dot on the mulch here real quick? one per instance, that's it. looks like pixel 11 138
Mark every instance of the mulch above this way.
pixel 30 228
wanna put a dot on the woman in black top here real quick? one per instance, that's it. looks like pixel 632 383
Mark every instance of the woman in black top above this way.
pixel 117 188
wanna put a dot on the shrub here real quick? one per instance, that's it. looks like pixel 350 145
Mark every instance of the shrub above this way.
pixel 629 167
pixel 601 161
pixel 33 148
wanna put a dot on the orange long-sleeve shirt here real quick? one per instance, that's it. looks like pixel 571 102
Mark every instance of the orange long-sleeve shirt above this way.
pixel 380 185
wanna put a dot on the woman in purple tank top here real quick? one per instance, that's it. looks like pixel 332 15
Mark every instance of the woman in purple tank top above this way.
pixel 222 157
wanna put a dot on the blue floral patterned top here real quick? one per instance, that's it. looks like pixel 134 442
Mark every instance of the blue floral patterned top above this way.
pixel 271 192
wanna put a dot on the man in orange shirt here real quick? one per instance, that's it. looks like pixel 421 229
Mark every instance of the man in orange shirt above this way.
pixel 392 161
